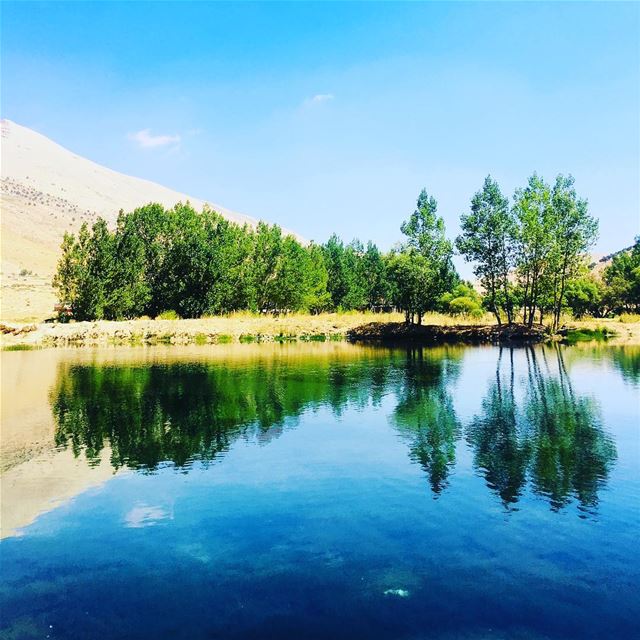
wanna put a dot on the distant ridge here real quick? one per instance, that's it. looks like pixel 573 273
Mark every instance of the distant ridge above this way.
pixel 604 261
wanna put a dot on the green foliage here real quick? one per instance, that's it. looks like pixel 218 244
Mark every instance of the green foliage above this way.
pixel 487 240
pixel 554 232
pixel 20 347
pixel 168 315
pixel 622 279
pixel 533 242
pixel 348 283
pixel 192 263
pixel 583 296
pixel 598 334
pixel 421 270
pixel 464 300
pixel 316 298
pixel 529 257
pixel 410 274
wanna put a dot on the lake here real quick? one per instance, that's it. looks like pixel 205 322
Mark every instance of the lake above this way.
pixel 321 491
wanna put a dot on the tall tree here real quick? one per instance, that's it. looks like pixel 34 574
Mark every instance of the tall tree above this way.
pixel 426 237
pixel 375 276
pixel 316 295
pixel 267 250
pixel 337 285
pixel 288 285
pixel 66 280
pixel 534 242
pixel 96 279
pixel 487 240
pixel 411 275
pixel 574 231
pixel 355 276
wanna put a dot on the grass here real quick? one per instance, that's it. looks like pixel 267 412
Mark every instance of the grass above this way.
pixel 584 334
pixel 21 347
pixel 285 338
pixel 316 337
pixel 136 340
pixel 201 338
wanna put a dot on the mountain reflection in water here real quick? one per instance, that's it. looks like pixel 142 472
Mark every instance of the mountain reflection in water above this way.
pixel 533 427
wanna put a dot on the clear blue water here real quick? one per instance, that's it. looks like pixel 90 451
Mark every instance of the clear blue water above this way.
pixel 361 493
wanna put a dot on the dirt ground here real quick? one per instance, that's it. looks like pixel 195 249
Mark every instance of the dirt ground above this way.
pixel 246 327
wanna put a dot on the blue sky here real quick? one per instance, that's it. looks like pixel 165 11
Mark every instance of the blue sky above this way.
pixel 332 116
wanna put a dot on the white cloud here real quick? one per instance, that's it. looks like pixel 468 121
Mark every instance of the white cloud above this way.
pixel 319 98
pixel 146 140
pixel 146 516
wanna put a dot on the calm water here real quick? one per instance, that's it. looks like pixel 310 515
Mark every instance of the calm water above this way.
pixel 325 491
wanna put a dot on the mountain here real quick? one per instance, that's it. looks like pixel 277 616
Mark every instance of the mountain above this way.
pixel 47 190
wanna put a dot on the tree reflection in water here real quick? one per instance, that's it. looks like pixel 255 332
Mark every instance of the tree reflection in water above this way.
pixel 553 437
pixel 499 437
pixel 532 428
pixel 425 415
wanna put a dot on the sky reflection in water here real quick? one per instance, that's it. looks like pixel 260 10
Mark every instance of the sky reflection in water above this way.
pixel 450 492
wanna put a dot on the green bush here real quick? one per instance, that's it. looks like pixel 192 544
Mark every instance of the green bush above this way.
pixel 168 315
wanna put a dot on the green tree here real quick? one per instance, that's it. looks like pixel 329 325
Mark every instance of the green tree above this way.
pixel 487 240
pixel 288 285
pixel 622 279
pixel 95 271
pixel 333 251
pixel 267 250
pixel 462 300
pixel 574 232
pixel 68 274
pixel 355 277
pixel 433 273
pixel 583 296
pixel 410 275
pixel 534 243
pixel 375 276
pixel 316 295
pixel 347 278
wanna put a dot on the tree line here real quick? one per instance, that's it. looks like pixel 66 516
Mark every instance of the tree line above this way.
pixel 528 256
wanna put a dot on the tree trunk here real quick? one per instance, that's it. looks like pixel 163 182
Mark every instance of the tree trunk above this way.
pixel 505 286
pixel 533 300
pixel 525 299
pixel 558 309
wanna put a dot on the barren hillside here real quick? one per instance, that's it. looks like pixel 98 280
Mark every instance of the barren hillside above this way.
pixel 47 190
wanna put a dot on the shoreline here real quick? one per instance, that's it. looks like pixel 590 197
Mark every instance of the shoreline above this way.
pixel 428 334
pixel 360 328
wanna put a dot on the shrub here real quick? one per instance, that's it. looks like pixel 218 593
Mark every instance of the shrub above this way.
pixel 168 315
pixel 465 306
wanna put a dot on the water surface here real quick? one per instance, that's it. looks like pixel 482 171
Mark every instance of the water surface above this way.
pixel 321 491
